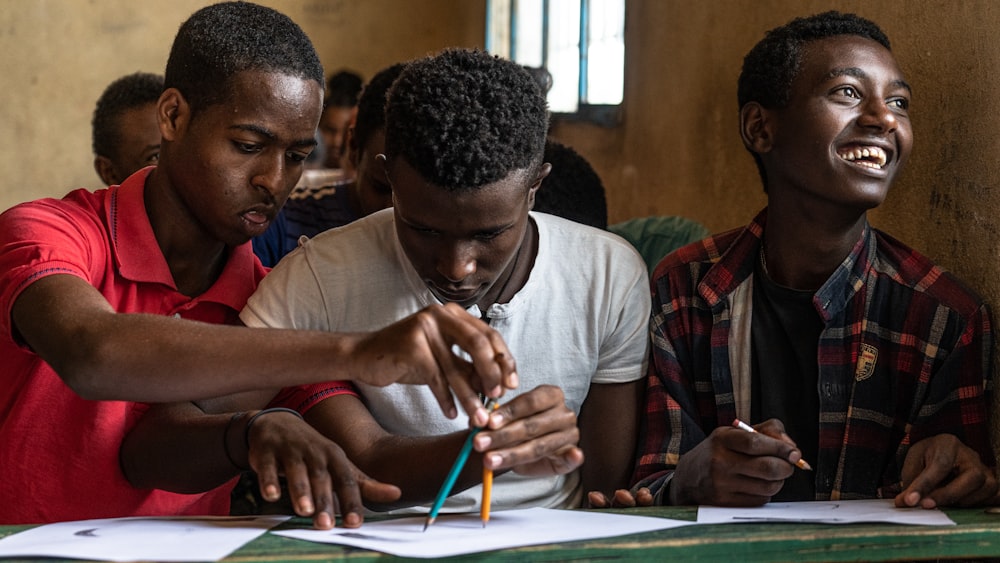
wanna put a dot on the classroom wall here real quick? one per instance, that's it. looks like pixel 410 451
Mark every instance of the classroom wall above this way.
pixel 676 152
pixel 59 55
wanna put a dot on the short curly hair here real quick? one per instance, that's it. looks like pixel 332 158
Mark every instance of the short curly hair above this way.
pixel 371 104
pixel 219 41
pixel 573 189
pixel 125 93
pixel 773 63
pixel 464 118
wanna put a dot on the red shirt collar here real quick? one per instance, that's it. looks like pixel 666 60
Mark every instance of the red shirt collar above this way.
pixel 138 256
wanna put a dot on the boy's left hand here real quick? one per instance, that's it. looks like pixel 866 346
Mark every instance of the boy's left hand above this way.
pixel 942 471
pixel 533 434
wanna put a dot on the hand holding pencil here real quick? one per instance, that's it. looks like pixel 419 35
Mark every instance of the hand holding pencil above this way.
pixel 736 466
pixel 801 463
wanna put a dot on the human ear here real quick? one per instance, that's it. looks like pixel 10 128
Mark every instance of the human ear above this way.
pixel 755 128
pixel 543 171
pixel 172 113
pixel 106 170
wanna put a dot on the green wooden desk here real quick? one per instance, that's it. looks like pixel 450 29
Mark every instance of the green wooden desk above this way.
pixel 977 535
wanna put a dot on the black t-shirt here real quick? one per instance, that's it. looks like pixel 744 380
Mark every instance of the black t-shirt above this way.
pixel 785 330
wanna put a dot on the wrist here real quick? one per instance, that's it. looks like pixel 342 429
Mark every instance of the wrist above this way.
pixel 232 444
pixel 254 418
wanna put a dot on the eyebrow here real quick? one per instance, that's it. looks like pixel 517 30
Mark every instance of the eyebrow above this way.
pixel 264 132
pixel 862 75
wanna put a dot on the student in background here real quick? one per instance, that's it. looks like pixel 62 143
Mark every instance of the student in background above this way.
pixel 127 295
pixel 839 344
pixel 312 210
pixel 339 109
pixel 126 136
pixel 464 143
pixel 574 190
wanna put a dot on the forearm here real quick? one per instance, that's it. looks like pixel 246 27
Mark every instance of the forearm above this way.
pixel 177 447
pixel 105 355
pixel 609 423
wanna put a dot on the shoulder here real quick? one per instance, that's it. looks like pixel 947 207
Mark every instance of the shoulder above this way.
pixel 77 221
pixel 699 255
pixel 570 235
pixel 908 267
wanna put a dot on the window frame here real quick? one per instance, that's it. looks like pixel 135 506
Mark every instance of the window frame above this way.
pixel 604 115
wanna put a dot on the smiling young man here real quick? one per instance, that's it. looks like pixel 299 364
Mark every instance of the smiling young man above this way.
pixel 464 141
pixel 122 296
pixel 841 345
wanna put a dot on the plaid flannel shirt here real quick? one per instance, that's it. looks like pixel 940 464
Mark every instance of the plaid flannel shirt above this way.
pixel 905 354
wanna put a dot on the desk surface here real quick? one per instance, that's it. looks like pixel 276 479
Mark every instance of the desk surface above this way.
pixel 977 535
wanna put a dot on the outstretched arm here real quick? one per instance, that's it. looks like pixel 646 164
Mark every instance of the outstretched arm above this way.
pixel 105 355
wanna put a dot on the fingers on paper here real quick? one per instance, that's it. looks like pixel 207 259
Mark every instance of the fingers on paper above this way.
pixel 942 471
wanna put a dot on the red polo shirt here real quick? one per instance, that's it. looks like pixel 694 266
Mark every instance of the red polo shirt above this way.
pixel 59 452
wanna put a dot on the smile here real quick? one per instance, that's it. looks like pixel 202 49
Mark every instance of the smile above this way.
pixel 871 157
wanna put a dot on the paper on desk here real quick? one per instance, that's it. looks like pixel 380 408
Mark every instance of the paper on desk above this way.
pixel 825 512
pixel 458 534
pixel 134 539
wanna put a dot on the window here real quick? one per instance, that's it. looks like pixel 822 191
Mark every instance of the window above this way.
pixel 581 43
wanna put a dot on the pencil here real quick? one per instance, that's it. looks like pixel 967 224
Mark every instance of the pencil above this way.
pixel 484 506
pixel 801 463
pixel 456 468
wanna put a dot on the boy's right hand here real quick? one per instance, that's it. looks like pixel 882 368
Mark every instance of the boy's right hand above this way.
pixel 733 467
pixel 418 350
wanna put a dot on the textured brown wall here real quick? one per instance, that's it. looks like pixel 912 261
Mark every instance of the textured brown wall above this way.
pixel 57 56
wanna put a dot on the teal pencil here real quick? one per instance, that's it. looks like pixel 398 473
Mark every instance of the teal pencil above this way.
pixel 449 482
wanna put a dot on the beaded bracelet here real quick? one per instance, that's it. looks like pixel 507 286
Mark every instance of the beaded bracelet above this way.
pixel 246 433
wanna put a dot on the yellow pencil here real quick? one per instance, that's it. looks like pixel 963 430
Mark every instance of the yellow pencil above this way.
pixel 801 463
pixel 484 508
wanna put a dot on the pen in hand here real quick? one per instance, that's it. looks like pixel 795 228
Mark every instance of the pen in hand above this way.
pixel 801 463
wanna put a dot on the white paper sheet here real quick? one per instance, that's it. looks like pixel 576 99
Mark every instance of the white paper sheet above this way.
pixel 825 512
pixel 458 534
pixel 135 539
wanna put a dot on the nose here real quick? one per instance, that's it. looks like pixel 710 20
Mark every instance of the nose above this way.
pixel 456 261
pixel 271 176
pixel 877 114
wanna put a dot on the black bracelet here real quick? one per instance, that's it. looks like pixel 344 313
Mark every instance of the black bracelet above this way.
pixel 225 440
pixel 246 433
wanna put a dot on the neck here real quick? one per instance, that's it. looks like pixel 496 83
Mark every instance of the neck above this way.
pixel 517 272
pixel 802 253
pixel 195 258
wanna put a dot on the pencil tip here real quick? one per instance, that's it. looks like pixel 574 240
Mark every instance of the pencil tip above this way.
pixel 427 523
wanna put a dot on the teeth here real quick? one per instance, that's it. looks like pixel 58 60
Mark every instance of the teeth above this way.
pixel 874 157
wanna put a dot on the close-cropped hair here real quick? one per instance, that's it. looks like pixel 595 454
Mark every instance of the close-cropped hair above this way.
pixel 771 66
pixel 773 63
pixel 219 41
pixel 371 104
pixel 125 93
pixel 464 118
